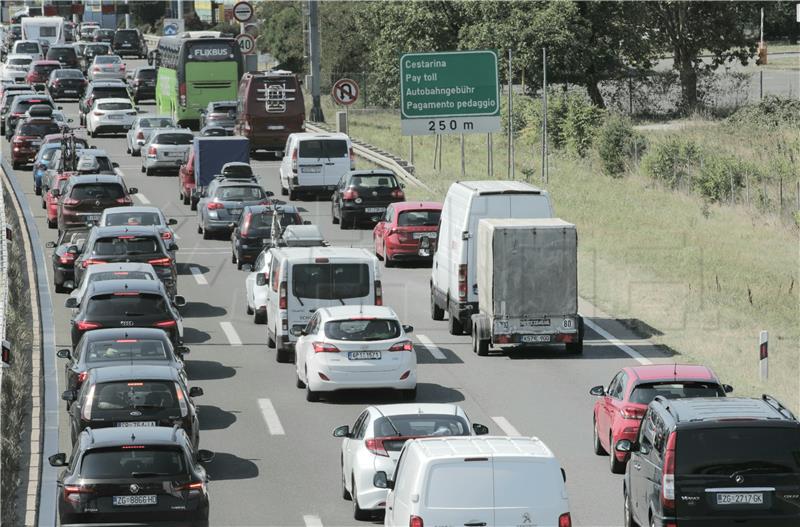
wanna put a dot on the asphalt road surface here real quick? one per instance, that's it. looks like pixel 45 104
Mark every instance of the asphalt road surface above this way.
pixel 276 461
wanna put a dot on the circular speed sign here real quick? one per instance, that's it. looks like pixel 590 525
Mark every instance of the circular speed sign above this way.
pixel 345 91
pixel 247 43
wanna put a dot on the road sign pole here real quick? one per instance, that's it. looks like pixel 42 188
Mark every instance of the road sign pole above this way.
pixel 463 161
pixel 510 119
pixel 314 38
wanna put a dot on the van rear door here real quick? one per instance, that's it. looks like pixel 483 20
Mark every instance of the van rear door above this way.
pixel 528 492
pixel 321 162
pixel 459 492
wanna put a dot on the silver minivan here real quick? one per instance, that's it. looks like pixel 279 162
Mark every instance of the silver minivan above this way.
pixel 313 163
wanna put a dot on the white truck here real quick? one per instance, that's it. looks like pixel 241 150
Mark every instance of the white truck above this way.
pixel 527 284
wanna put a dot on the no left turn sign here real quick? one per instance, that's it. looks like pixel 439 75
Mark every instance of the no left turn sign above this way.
pixel 247 43
pixel 345 91
pixel 243 11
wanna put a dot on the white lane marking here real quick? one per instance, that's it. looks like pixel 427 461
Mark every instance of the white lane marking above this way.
pixel 233 337
pixel 505 426
pixel 271 418
pixel 198 276
pixel 635 355
pixel 312 521
pixel 432 348
pixel 142 198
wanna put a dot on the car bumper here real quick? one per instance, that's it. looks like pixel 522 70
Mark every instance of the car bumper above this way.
pixel 217 225
pixel 106 76
pixel 160 164
pixel 268 141
pixel 112 126
pixel 361 381
pixel 364 210
pixel 23 156
pixel 63 274
pixel 249 254
pixel 409 251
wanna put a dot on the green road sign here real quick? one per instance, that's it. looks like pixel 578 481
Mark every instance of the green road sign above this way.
pixel 449 93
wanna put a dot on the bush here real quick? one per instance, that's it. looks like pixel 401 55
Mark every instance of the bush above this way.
pixel 615 144
pixel 720 178
pixel 672 161
pixel 772 111
pixel 581 120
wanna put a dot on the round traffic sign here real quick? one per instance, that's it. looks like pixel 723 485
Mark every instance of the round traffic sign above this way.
pixel 345 91
pixel 247 44
pixel 243 11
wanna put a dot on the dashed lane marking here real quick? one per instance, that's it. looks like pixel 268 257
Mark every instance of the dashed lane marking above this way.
pixel 230 333
pixel 432 348
pixel 312 521
pixel 505 426
pixel 635 355
pixel 272 420
pixel 198 276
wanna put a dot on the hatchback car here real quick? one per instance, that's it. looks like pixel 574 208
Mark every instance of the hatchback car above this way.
pixel 133 474
pixel 66 55
pixel 400 233
pixel 257 287
pixel 219 113
pixel 165 150
pixel 65 250
pixel 364 195
pixel 86 161
pixel 21 104
pixel 374 443
pixel 141 128
pixel 9 94
pixel 86 197
pixel 110 116
pixel 39 71
pixel 50 198
pixel 28 137
pixel 16 67
pixel 126 304
pixel 143 84
pixel 107 89
pixel 359 347
pixel 618 410
pixel 256 228
pixel 140 215
pixel 223 203
pixel 109 271
pixel 66 84
pixel 106 67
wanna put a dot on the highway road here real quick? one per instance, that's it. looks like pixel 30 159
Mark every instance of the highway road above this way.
pixel 276 461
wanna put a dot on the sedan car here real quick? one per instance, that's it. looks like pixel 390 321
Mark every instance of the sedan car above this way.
pixel 140 215
pixel 65 250
pixel 355 347
pixel 256 228
pixel 143 84
pixel 398 235
pixel 107 89
pixel 221 114
pixel 66 84
pixel 618 410
pixel 110 116
pixel 374 443
pixel 141 128
pixel 106 67
pixel 364 195
pixel 165 150
pixel 109 271
pixel 85 198
pixel 223 203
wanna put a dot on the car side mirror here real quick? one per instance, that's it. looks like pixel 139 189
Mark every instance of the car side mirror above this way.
pixel 63 354
pixel 205 456
pixel 727 387
pixel 381 480
pixel 179 301
pixel 115 164
pixel 182 350
pixel 408 329
pixel 195 391
pixel 625 445
pixel 50 245
pixel 479 429
pixel 58 460
pixel 69 395
pixel 261 279
pixel 71 303
pixel 306 222
pixel 173 246
pixel 341 431
pixel 298 332
pixel 172 221
pixel 597 391
pixel 133 190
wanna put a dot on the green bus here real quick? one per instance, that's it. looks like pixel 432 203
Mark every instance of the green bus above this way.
pixel 193 72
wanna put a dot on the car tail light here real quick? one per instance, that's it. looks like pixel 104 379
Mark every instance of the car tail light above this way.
pixel 98 113
pixel 70 201
pixel 83 325
pixel 565 520
pixel 73 493
pixel 324 347
pixel 122 66
pixel 181 400
pixel 92 261
pixel 352 159
pixel 632 412
pixel 86 411
pixel 82 377
pixel 415 521
pixel 214 205
pixel 166 235
pixel 668 476
pixel 194 486
pixel 405 345
pixel 378 293
pixel 282 299
pixel 402 236
pixel 246 225
pixel 123 201
pixel 398 194
pixel 140 135
pixel 66 258
pixel 462 283
pixel 182 93
pixel 294 160
pixel 349 194
pixel 165 324
pixel 502 339
pixel 376 446
pixel 160 261
pixel 22 138
pixel 152 151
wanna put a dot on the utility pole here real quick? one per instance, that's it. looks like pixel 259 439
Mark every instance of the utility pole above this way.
pixel 510 118
pixel 313 29
pixel 127 15
pixel 180 10
pixel 545 175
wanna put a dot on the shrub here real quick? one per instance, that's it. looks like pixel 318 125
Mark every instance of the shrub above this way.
pixel 579 124
pixel 772 111
pixel 721 177
pixel 671 162
pixel 615 144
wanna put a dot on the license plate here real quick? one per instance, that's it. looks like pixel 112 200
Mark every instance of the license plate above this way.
pixel 126 501
pixel 91 217
pixel 535 322
pixel 115 117
pixel 126 45
pixel 126 424
pixel 364 355
pixel 375 209
pixel 236 212
pixel 36 143
pixel 70 91
pixel 740 498
pixel 418 235
pixel 311 170
pixel 535 338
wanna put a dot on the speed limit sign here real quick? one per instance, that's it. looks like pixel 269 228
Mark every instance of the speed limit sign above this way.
pixel 247 44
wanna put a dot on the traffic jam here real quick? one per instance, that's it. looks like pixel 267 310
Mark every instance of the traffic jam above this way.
pixel 147 182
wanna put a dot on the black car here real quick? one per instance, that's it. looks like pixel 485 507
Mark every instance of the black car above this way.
pixel 127 304
pixel 21 104
pixel 65 54
pixel 108 89
pixel 255 230
pixel 66 249
pixel 219 113
pixel 140 474
pixel 66 84
pixel 128 243
pixel 364 195
pixel 129 42
pixel 143 84
pixel 714 462
pixel 104 35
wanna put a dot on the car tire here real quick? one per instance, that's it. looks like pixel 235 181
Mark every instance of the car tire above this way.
pixel 128 148
pixel 387 261
pixel 15 165
pixel 270 341
pixel 283 355
pixel 249 310
pixel 199 229
pixel 299 383
pixel 260 318
pixel 598 446
pixel 345 493
pixel 239 265
pixel 437 313
pixel 292 195
pixel 616 466
pixel 143 169
pixel 345 222
pixel 311 396
pixel 136 153
pixel 284 191
pixel 479 346
pixel 358 513
pixel 44 203
pixel 61 289
pixel 206 234
pixel 37 190
pixel 409 395
pixel 148 172
pixel 185 200
pixel 233 258
pixel 454 325
pixel 334 219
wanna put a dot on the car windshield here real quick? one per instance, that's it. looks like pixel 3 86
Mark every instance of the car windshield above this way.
pixel 156 122
pixel 20 61
pixel 68 74
pixel 363 329
pixel 240 193
pixel 126 304
pixel 38 128
pixel 173 139
pixel 374 181
pixel 330 281
pixel 133 218
pixel 417 425
pixel 126 245
pixel 419 218
pixel 111 92
pixel 125 350
pixel 97 191
pixel 316 148
pixel 644 393
pixel 752 450
pixel 124 463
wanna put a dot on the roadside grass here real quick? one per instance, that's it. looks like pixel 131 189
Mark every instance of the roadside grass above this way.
pixel 707 277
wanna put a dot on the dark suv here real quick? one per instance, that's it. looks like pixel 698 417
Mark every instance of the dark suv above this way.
pixel 714 462
pixel 21 104
pixel 85 197
pixel 65 54
pixel 364 195
pixel 143 84
pixel 129 42
pixel 133 474
pixel 256 229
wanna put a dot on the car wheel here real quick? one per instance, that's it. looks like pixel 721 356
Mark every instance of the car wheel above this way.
pixel 52 224
pixel 358 513
pixel 282 355
pixel 300 384
pixel 598 446
pixel 143 169
pixel 345 222
pixel 454 325
pixel 60 289
pixel 206 234
pixel 128 148
pixel 260 318
pixel 437 313
pixel 409 395
pixel 233 258
pixel 627 511
pixel 249 310
pixel 148 171
pixel 479 345
pixel 136 153
pixel 292 195
pixel 37 190
pixel 199 229
pixel 311 397
pixel 284 191
pixel 15 165
pixel 345 493
pixel 185 200
pixel 617 467
pixel 334 219
pixel 387 261
pixel 270 341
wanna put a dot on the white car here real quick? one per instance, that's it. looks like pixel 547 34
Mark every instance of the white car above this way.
pixel 110 271
pixel 356 346
pixel 16 67
pixel 140 215
pixel 141 128
pixel 31 48
pixel 374 444
pixel 110 115
pixel 257 286
pixel 106 67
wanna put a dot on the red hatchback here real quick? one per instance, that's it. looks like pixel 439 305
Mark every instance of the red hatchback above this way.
pixel 619 409
pixel 398 234
pixel 39 72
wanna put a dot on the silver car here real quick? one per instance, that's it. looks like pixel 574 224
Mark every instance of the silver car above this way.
pixel 219 113
pixel 142 126
pixel 107 67
pixel 140 215
pixel 166 150
pixel 222 204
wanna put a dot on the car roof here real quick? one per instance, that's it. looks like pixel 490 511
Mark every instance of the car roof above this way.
pixel 135 230
pixel 107 287
pixel 96 178
pixel 417 408
pixel 302 232
pixel 113 99
pixel 727 409
pixel 406 205
pixel 303 254
pixel 94 152
pixel 357 311
pixel 170 130
pixel 135 371
pixel 664 372
pixel 147 435
pixel 495 186
pixel 484 446
pixel 119 266
pixel 125 333
pixel 304 136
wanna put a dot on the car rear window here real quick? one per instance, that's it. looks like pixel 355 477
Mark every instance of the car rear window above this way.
pixel 156 122
pixel 68 74
pixel 644 393
pixel 20 61
pixel 362 330
pixel 45 68
pixel 38 128
pixel 107 59
pixel 118 275
pixel 419 218
pixel 173 139
pixel 64 54
pixel 125 304
pixel 330 281
pixel 111 92
pixel 223 108
pixel 240 193
pixel 126 350
pixel 115 106
pixel 27 47
pixel 94 49
pixel 146 74
pixel 123 35
pixel 97 191
pixel 133 218
pixel 23 105
pixel 141 395
pixel 723 451
pixel 317 148
pixel 124 463
pixel 374 181
pixel 126 245
pixel 421 425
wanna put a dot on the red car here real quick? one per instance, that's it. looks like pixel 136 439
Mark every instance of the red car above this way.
pixel 39 72
pixel 397 235
pixel 186 182
pixel 50 202
pixel 619 409
pixel 27 139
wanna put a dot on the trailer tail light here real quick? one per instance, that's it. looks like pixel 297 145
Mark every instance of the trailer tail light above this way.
pixel 282 300
pixel 668 476
pixel 349 194
pixel 378 293
pixel 324 347
pixel 565 520
pixel 462 283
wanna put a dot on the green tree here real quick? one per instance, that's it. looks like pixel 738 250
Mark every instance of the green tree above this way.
pixel 282 33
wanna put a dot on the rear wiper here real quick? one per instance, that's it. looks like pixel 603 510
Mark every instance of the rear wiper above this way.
pixel 133 314
pixel 298 299
pixel 147 474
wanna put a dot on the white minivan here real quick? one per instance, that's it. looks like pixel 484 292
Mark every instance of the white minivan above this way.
pixel 313 163
pixel 454 284
pixel 476 481
pixel 304 279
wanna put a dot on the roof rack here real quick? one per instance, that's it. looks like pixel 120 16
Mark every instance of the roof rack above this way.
pixel 773 402
pixel 175 429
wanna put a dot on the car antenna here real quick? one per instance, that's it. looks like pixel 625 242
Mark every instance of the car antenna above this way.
pixel 396 431
pixel 675 370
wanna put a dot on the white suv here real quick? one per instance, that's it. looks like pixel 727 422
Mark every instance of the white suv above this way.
pixel 257 287
pixel 110 115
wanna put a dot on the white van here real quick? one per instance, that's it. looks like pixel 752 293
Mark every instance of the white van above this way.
pixel 454 283
pixel 304 279
pixel 314 163
pixel 484 481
